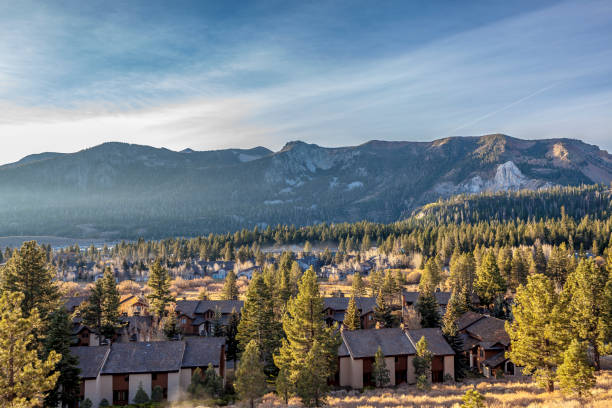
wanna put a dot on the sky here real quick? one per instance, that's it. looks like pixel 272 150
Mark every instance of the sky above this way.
pixel 218 74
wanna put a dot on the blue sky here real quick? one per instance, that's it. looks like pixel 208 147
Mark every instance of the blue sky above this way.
pixel 216 74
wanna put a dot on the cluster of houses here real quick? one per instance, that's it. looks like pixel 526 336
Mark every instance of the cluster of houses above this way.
pixel 115 371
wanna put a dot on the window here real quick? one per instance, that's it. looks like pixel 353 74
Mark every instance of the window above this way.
pixel 154 376
pixel 184 321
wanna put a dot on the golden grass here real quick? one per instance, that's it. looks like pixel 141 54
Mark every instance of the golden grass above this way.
pixel 502 393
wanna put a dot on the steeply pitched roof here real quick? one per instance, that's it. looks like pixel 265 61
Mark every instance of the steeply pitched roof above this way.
pixel 467 319
pixel 144 357
pixel 91 359
pixel 365 343
pixel 495 360
pixel 186 307
pixel 72 303
pixel 435 341
pixel 364 304
pixel 201 351
pixel 225 306
pixel 489 329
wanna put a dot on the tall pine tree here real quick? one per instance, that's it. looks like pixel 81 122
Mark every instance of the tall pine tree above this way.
pixel 308 353
pixel 159 283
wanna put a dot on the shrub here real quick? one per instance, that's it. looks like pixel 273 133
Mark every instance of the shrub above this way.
pixel 104 403
pixel 141 396
pixel 157 395
pixel 86 403
pixel 473 399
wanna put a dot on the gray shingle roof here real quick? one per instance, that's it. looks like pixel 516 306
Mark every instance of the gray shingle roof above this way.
pixel 489 329
pixel 364 304
pixel 225 306
pixel 467 319
pixel 365 343
pixel 186 307
pixel 201 351
pixel 91 359
pixel 72 303
pixel 435 340
pixel 144 357
pixel 442 298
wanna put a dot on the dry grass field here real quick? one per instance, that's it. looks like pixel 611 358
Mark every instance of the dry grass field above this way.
pixel 502 393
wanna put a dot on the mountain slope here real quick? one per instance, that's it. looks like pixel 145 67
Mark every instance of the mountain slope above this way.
pixel 122 190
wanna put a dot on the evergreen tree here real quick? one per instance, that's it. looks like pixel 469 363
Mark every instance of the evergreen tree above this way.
pixel 431 276
pixel 141 396
pixel 197 387
pixel 358 286
pixel 110 304
pixel 258 321
pixel 454 310
pixel 157 395
pixel 473 399
pixel 422 364
pixel 380 373
pixel 519 270
pixel 283 386
pixel 382 312
pixel 585 295
pixel 213 383
pixel 159 283
pixel 171 329
pixel 352 318
pixel 91 310
pixel 489 283
pixel 539 259
pixel 230 290
pixel 427 306
pixel 536 333
pixel 250 377
pixel 231 333
pixel 308 353
pixel 27 272
pixel 24 378
pixel 218 324
pixel 575 374
pixel 58 339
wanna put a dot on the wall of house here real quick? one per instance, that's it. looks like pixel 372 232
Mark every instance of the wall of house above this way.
pixel 174 388
pixel 449 366
pixel 357 373
pixel 390 363
pixel 411 373
pixel 105 388
pixel 91 391
pixel 184 378
pixel 346 379
pixel 135 381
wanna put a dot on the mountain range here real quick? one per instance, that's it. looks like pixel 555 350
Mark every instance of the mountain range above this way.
pixel 118 190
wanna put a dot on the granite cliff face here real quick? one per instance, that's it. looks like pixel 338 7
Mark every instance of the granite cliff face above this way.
pixel 122 190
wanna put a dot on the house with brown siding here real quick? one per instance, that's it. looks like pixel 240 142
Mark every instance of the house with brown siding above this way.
pixel 196 317
pixel 132 305
pixel 485 342
pixel 358 348
pixel 116 372
pixel 335 309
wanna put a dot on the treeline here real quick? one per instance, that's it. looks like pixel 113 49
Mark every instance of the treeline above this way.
pixel 576 216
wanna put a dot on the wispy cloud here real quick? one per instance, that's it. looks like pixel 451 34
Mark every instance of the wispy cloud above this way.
pixel 510 75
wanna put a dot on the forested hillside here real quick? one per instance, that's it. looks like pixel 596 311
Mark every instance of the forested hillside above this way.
pixel 121 191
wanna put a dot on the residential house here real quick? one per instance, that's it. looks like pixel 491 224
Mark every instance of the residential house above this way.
pixel 114 373
pixel 485 342
pixel 335 309
pixel 133 305
pixel 196 317
pixel 358 348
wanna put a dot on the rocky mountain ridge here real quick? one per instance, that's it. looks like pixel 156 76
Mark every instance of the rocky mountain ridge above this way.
pixel 122 190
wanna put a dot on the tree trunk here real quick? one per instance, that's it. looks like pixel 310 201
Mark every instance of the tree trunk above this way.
pixel 551 386
pixel 596 356
pixel 252 403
